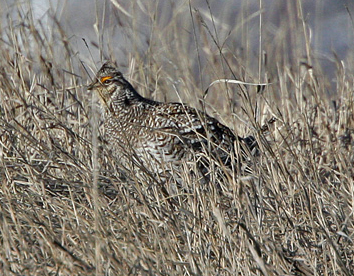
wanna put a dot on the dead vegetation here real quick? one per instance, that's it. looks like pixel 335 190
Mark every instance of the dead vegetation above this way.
pixel 66 208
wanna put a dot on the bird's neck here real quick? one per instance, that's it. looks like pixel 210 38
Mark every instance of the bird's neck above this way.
pixel 129 105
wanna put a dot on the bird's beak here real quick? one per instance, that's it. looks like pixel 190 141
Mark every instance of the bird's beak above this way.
pixel 93 85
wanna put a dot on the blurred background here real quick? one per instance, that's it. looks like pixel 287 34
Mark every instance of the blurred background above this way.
pixel 253 32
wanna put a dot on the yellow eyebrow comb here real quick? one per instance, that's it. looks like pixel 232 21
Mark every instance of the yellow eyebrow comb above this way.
pixel 105 78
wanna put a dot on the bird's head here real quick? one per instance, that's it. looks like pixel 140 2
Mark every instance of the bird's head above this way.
pixel 112 87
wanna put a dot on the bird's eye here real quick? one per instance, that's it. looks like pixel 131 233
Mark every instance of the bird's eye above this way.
pixel 106 80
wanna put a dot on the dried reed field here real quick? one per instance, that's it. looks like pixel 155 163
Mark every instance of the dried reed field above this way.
pixel 67 207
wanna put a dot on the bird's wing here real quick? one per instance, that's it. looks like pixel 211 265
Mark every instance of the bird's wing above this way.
pixel 193 126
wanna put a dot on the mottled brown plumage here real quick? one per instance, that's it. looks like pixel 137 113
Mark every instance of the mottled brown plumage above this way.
pixel 156 135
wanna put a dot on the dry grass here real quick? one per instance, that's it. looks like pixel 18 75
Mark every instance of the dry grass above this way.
pixel 65 208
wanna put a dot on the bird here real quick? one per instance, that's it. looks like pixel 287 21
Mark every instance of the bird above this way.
pixel 160 137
